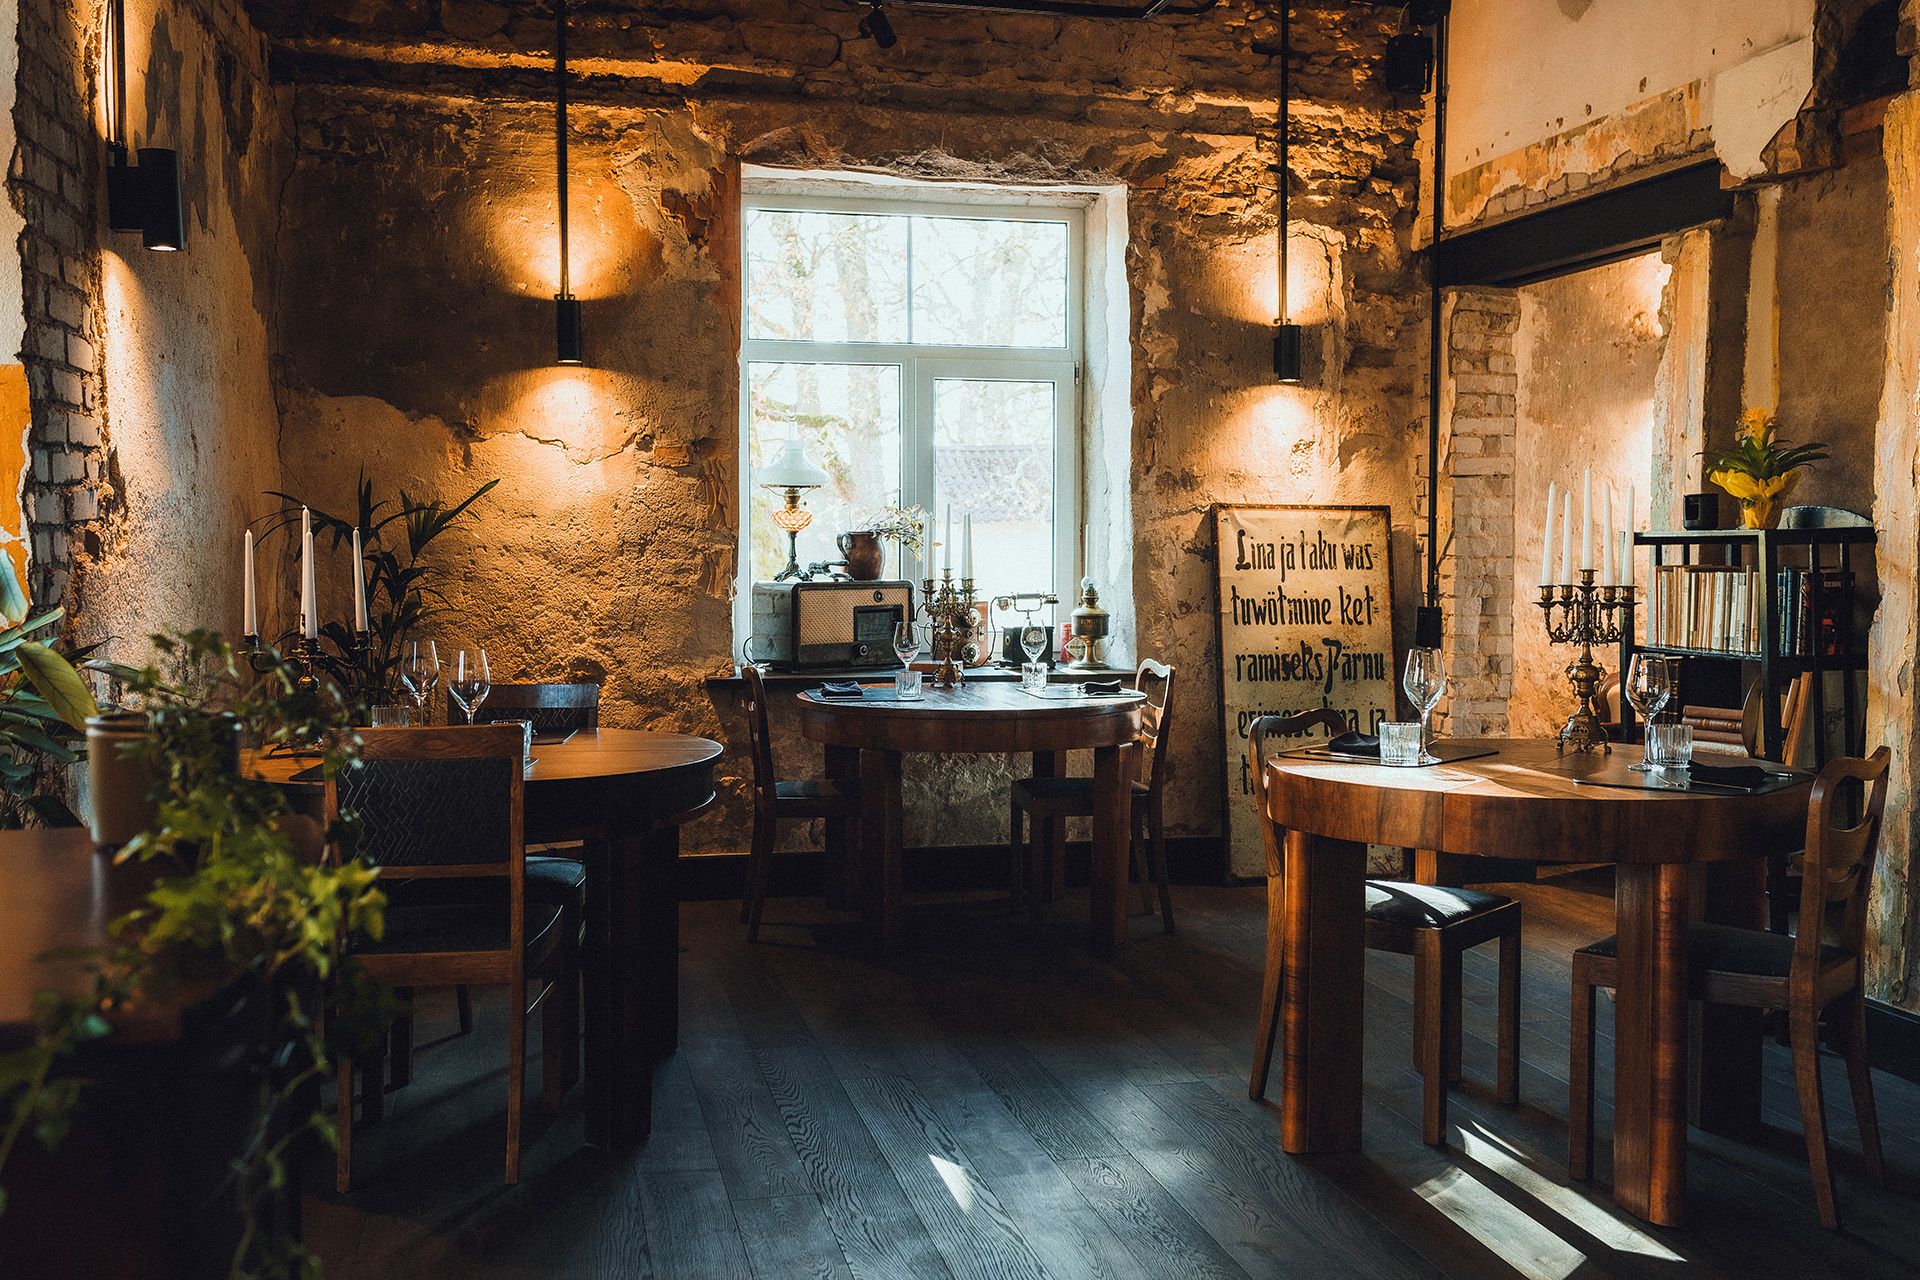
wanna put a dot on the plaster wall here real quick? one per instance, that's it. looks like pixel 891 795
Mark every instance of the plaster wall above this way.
pixel 13 317
pixel 608 549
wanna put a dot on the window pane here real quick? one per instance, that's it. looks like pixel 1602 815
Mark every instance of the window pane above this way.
pixel 982 283
pixel 848 418
pixel 826 277
pixel 993 455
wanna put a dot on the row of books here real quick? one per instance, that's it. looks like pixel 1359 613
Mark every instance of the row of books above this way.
pixel 1719 609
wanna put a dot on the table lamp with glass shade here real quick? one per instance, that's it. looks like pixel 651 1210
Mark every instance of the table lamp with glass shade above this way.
pixel 792 473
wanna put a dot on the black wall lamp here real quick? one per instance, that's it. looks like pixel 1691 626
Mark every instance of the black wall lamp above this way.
pixel 569 336
pixel 143 197
pixel 874 26
pixel 1287 336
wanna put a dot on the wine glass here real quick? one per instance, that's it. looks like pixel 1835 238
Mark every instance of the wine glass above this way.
pixel 906 642
pixel 420 674
pixel 1033 641
pixel 470 683
pixel 1425 680
pixel 1649 687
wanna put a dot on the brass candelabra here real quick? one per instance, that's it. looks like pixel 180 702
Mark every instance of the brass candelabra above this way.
pixel 1584 614
pixel 949 606
pixel 306 656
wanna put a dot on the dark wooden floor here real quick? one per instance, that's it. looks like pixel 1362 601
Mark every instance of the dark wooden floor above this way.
pixel 999 1103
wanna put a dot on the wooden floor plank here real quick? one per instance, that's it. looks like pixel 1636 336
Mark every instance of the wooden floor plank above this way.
pixel 1158 1232
pixel 787 1238
pixel 691 1233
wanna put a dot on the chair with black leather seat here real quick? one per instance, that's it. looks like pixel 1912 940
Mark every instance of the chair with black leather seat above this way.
pixel 1433 924
pixel 439 812
pixel 776 799
pixel 1806 974
pixel 1045 801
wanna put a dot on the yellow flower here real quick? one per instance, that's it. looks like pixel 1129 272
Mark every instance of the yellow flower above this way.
pixel 1739 484
pixel 1758 425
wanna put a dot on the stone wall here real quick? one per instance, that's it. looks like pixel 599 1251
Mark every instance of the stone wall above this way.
pixel 423 187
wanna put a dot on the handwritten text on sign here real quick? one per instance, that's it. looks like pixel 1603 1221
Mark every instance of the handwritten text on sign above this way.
pixel 1306 621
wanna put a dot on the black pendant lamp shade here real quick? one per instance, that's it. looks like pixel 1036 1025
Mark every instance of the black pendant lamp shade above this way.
pixel 143 197
pixel 569 336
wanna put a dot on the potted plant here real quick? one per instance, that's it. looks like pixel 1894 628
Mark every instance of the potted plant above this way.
pixel 904 525
pixel 44 705
pixel 1761 469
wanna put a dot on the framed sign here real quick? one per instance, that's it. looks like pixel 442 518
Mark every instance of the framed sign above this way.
pixel 1304 620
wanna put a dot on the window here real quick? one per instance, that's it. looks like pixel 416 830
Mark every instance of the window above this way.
pixel 924 354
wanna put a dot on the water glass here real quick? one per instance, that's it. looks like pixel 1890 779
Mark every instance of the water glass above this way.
pixel 392 715
pixel 1033 677
pixel 1670 746
pixel 906 685
pixel 1033 642
pixel 1649 687
pixel 526 729
pixel 1424 680
pixel 470 681
pixel 906 643
pixel 1401 742
pixel 420 674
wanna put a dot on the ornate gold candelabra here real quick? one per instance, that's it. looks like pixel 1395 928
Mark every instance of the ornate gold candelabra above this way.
pixel 949 606
pixel 1584 614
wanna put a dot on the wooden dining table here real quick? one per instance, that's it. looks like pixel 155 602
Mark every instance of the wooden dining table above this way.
pixel 1679 855
pixel 866 737
pixel 625 794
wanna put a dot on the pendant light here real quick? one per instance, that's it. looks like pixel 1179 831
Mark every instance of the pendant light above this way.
pixel 1286 335
pixel 144 197
pixel 568 335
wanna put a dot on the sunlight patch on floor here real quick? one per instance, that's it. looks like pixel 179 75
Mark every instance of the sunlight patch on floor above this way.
pixel 1509 1234
pixel 959 1185
pixel 1615 1230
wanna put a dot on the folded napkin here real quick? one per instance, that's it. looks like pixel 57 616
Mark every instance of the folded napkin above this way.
pixel 1355 744
pixel 1747 777
pixel 840 689
pixel 1102 688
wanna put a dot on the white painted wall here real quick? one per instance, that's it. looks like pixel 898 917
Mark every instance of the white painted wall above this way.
pixel 1521 71
pixel 13 318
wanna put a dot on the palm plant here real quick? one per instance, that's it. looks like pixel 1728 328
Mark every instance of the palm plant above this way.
pixel 44 705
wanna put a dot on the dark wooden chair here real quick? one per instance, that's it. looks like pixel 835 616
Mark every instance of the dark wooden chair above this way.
pixel 776 799
pixel 1048 801
pixel 1433 924
pixel 1805 974
pixel 440 813
pixel 553 708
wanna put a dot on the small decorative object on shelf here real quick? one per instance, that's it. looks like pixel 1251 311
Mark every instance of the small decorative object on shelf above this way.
pixel 864 556
pixel 791 474
pixel 906 527
pixel 1587 611
pixel 1089 643
pixel 1761 469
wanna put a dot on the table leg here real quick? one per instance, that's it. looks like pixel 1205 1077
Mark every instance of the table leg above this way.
pixel 1727 1039
pixel 842 878
pixel 1112 824
pixel 632 980
pixel 1050 834
pixel 1650 1042
pixel 880 839
pixel 1322 993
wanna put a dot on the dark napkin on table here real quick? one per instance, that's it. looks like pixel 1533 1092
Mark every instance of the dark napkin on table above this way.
pixel 840 689
pixel 1746 777
pixel 1102 688
pixel 1355 744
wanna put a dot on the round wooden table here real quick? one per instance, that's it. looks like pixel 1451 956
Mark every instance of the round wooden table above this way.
pixel 625 793
pixel 866 737
pixel 1527 802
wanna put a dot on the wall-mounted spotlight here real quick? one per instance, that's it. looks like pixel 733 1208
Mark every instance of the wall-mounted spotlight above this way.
pixel 875 27
pixel 143 197
pixel 569 336
pixel 1407 66
pixel 1287 336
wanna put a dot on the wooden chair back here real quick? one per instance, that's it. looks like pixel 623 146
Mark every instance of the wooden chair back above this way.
pixel 1280 727
pixel 759 738
pixel 1838 863
pixel 553 708
pixel 1155 679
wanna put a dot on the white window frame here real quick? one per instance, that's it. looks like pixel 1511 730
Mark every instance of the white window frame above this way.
pixel 921 365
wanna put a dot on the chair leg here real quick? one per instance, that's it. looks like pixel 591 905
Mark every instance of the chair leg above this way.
pixel 1157 855
pixel 400 1041
pixel 516 1071
pixel 1813 1113
pixel 560 1021
pixel 759 872
pixel 1016 858
pixel 1860 1077
pixel 1430 985
pixel 1580 1080
pixel 1137 856
pixel 1451 987
pixel 463 1000
pixel 1263 1038
pixel 343 1126
pixel 1507 1069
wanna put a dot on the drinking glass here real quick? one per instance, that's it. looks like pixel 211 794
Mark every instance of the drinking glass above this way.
pixel 1425 680
pixel 420 675
pixel 1670 746
pixel 470 683
pixel 391 715
pixel 1033 677
pixel 906 685
pixel 1034 641
pixel 1402 742
pixel 1649 687
pixel 906 642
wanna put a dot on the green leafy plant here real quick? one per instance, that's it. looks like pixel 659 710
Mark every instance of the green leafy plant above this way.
pixel 44 705
pixel 239 896
pixel 395 534
pixel 1761 469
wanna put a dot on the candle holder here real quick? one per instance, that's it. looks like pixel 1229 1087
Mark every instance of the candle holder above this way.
pixel 1584 614
pixel 949 606
pixel 305 655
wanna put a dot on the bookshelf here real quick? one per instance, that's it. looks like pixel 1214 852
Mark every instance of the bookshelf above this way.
pixel 1724 595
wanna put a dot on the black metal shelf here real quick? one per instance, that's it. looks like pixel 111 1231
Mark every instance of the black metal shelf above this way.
pixel 1793 662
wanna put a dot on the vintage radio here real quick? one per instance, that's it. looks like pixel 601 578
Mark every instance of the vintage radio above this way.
pixel 817 626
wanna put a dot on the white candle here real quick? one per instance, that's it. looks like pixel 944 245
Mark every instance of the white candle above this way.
pixel 309 607
pixel 966 548
pixel 1606 536
pixel 359 586
pixel 1566 538
pixel 249 605
pixel 946 542
pixel 1586 519
pixel 1546 539
pixel 1626 557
